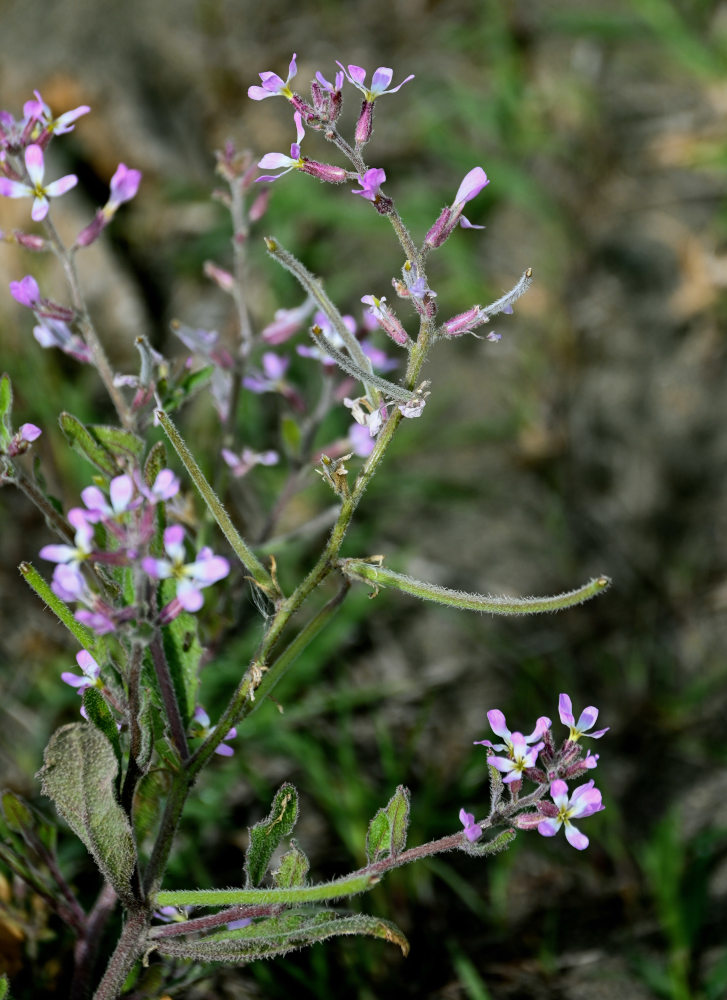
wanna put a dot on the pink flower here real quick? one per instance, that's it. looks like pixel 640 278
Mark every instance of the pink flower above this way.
pixel 272 85
pixel 472 830
pixel 371 184
pixel 379 81
pixel 323 171
pixel 22 438
pixel 191 577
pixel 585 722
pixel 36 190
pixel 241 464
pixel 521 757
pixel 203 729
pixel 39 110
pixel 584 801
pixel 73 555
pixel 121 495
pixel 471 185
pixel 285 323
pixel 499 727
pixel 55 333
pixel 91 673
pixel 124 185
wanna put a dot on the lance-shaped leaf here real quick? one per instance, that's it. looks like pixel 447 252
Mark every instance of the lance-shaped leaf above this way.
pixel 124 445
pixel 387 830
pixel 267 834
pixel 293 868
pixel 279 935
pixel 4 987
pixel 22 819
pixel 156 460
pixel 487 847
pixel 79 774
pixel 82 440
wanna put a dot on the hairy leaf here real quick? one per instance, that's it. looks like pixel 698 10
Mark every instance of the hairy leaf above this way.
pixel 388 829
pixel 82 440
pixel 183 652
pixel 6 405
pixel 100 715
pixel 293 868
pixel 79 774
pixel 124 445
pixel 279 935
pixel 483 849
pixel 267 834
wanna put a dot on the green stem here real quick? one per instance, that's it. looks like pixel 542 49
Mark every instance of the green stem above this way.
pixel 242 550
pixel 379 576
pixel 351 885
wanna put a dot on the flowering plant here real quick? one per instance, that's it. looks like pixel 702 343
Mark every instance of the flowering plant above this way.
pixel 132 583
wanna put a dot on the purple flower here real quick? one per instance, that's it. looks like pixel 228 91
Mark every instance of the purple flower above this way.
pixel 471 185
pixel 22 438
pixel 472 830
pixel 270 379
pixel 91 673
pixel 191 577
pixel 585 722
pixel 521 758
pixel 272 85
pixel 323 171
pixel 285 323
pixel 332 88
pixel 368 420
pixel 73 555
pixel 584 801
pixel 55 333
pixel 371 184
pixel 361 441
pixel 499 727
pixel 379 81
pixel 26 292
pixel 241 464
pixel 121 495
pixel 203 729
pixel 39 110
pixel 271 161
pixel 36 190
pixel 124 185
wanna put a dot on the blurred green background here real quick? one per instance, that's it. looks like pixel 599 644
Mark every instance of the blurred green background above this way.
pixel 590 440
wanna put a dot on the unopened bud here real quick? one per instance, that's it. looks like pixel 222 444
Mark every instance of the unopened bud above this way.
pixel 365 123
pixel 218 274
pixel 30 241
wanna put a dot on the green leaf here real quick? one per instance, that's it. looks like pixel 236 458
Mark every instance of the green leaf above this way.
pixel 6 406
pixel 82 440
pixel 100 715
pixel 156 460
pixel 17 814
pixel 183 652
pixel 79 774
pixel 293 868
pixel 267 834
pixel 4 987
pixel 388 829
pixel 150 794
pixel 494 846
pixel 125 446
pixel 279 935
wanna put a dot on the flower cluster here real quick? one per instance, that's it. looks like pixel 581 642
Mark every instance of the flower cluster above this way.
pixel 536 758
pixel 117 530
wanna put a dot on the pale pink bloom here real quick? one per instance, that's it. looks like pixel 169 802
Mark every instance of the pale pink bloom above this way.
pixel 586 721
pixel 584 801
pixel 204 729
pixel 191 577
pixel 273 85
pixel 91 673
pixel 39 192
pixel 379 81
pixel 472 830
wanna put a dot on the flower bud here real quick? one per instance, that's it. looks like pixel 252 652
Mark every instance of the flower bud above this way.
pixel 462 323
pixel 365 123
